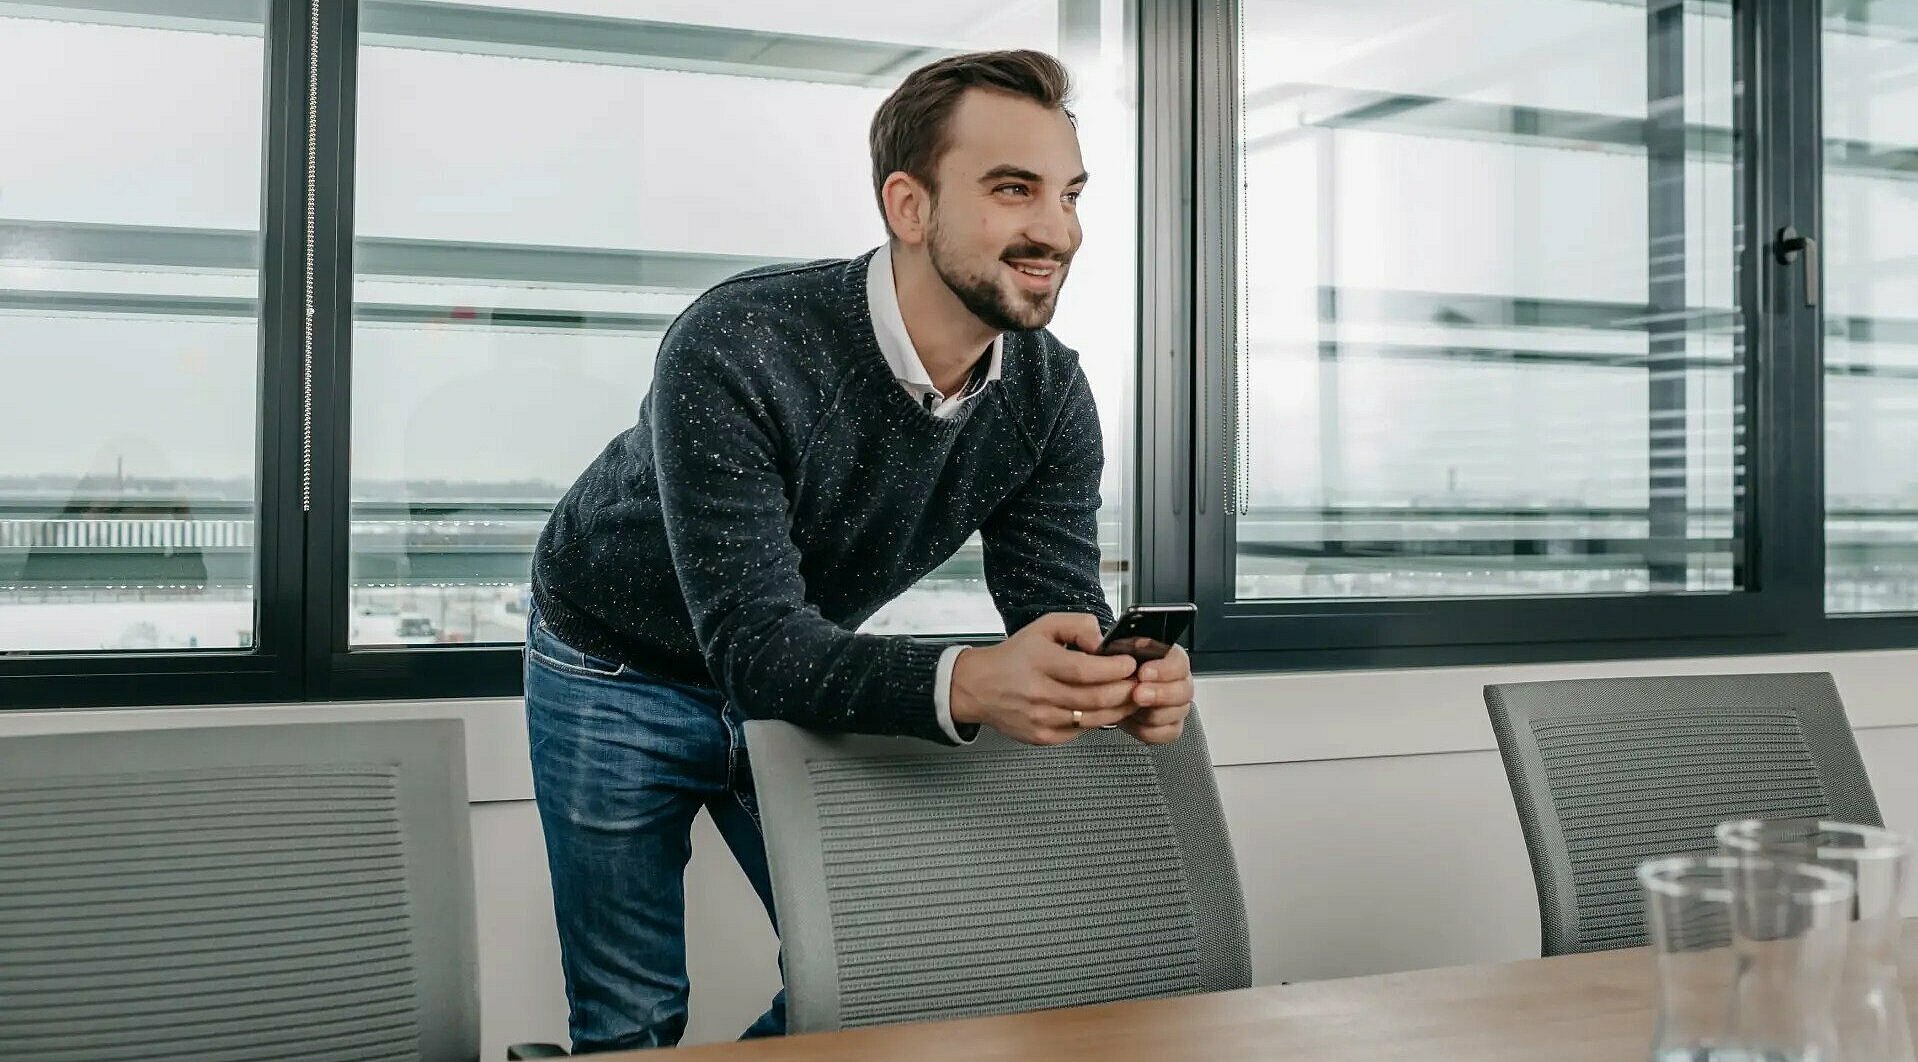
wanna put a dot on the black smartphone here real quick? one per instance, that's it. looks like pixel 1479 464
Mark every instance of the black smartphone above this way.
pixel 1147 632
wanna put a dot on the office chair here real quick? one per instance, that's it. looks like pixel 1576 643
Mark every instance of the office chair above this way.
pixel 1610 772
pixel 916 881
pixel 238 894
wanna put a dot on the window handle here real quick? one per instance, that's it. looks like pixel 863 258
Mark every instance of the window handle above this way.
pixel 1790 243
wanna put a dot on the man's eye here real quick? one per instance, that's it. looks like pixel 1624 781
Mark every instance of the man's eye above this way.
pixel 1073 197
pixel 1016 189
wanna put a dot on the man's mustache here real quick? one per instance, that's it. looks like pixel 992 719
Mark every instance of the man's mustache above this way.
pixel 1033 250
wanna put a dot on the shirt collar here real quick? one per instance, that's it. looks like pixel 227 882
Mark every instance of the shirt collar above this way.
pixel 889 326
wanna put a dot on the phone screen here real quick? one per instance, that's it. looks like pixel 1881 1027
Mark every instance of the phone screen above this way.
pixel 1147 632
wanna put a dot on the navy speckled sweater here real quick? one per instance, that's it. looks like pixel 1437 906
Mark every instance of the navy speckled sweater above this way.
pixel 780 487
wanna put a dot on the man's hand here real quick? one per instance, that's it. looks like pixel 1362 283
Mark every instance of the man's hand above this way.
pixel 1164 696
pixel 1028 686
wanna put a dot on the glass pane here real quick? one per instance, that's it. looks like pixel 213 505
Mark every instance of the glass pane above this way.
pixel 528 228
pixel 1871 305
pixel 129 325
pixel 1490 341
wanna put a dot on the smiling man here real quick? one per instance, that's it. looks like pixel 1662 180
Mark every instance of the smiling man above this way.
pixel 817 439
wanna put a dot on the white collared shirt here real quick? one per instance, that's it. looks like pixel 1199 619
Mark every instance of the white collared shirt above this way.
pixel 889 327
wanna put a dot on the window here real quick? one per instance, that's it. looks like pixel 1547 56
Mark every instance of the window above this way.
pixel 1422 331
pixel 1871 315
pixel 130 329
pixel 529 216
pixel 1489 339
pixel 1483 377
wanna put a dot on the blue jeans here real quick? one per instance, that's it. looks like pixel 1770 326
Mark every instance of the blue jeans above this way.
pixel 622 762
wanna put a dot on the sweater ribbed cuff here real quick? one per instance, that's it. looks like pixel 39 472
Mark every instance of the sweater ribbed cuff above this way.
pixel 909 682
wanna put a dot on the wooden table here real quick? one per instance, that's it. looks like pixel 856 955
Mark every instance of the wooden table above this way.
pixel 1584 1008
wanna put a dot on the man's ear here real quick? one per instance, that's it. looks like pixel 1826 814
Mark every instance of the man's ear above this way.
pixel 908 207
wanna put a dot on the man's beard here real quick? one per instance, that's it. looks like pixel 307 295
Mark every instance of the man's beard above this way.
pixel 987 298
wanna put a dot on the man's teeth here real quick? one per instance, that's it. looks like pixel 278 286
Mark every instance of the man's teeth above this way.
pixel 1033 272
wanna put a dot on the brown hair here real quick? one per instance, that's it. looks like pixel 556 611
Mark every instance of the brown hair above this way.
pixel 909 129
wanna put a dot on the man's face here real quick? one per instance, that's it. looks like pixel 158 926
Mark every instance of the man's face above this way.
pixel 1005 222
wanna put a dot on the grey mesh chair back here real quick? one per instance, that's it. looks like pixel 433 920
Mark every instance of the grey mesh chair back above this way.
pixel 1609 772
pixel 915 881
pixel 237 894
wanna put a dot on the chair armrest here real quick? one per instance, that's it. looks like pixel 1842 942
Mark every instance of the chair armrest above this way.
pixel 520 1051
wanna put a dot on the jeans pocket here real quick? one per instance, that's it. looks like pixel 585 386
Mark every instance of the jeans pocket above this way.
pixel 546 649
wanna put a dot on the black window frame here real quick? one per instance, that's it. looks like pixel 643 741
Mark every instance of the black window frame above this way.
pixel 1777 50
pixel 1178 538
pixel 336 670
pixel 271 669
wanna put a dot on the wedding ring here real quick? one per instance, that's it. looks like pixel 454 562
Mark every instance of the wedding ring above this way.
pixel 1078 719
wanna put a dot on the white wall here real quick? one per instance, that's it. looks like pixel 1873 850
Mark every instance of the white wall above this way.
pixel 1369 811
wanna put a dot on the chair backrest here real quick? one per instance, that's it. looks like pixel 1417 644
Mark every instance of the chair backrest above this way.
pixel 1609 772
pixel 915 881
pixel 237 893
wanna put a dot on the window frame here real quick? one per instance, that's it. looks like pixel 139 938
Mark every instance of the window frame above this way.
pixel 1776 53
pixel 335 669
pixel 271 669
pixel 1179 540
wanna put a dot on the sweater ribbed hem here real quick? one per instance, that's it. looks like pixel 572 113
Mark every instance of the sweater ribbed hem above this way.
pixel 582 632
